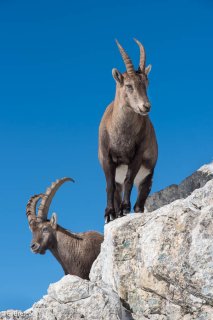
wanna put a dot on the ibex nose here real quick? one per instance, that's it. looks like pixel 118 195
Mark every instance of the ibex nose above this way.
pixel 33 245
pixel 147 106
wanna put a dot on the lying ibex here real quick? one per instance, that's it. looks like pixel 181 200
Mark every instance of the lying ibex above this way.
pixel 127 143
pixel 75 252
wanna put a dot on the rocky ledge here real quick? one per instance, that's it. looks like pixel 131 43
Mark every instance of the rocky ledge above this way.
pixel 157 265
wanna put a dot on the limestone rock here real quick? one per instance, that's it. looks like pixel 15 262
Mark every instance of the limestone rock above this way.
pixel 74 298
pixel 161 263
pixel 197 180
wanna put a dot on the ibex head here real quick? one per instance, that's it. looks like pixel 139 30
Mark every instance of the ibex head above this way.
pixel 43 230
pixel 132 85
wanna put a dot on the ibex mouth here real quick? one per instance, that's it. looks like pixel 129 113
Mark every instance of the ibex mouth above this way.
pixel 142 113
pixel 38 250
pixel 35 248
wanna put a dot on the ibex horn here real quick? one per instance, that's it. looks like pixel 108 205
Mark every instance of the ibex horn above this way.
pixel 142 62
pixel 31 208
pixel 48 196
pixel 128 63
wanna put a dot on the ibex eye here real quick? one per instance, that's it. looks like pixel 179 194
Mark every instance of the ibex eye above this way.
pixel 129 87
pixel 45 229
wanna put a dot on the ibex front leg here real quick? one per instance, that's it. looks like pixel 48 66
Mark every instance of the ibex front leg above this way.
pixel 109 170
pixel 133 169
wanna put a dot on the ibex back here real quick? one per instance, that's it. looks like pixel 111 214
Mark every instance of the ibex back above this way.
pixel 75 252
pixel 127 143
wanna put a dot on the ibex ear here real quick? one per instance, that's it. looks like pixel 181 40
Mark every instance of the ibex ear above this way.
pixel 148 69
pixel 53 221
pixel 117 76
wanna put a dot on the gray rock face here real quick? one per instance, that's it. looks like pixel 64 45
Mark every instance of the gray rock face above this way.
pixel 74 298
pixel 197 180
pixel 157 265
pixel 161 263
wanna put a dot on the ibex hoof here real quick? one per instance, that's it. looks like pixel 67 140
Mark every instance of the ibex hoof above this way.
pixel 120 214
pixel 138 209
pixel 125 209
pixel 109 215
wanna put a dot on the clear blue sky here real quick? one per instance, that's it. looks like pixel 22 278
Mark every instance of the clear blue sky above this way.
pixel 55 82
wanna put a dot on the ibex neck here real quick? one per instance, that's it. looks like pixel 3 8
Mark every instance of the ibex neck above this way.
pixel 65 250
pixel 124 118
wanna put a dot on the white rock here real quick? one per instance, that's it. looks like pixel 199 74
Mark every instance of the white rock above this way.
pixel 161 263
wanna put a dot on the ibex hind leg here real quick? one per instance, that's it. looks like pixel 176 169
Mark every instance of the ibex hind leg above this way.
pixel 118 198
pixel 143 191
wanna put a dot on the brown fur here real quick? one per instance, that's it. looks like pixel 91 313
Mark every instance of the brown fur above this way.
pixel 75 252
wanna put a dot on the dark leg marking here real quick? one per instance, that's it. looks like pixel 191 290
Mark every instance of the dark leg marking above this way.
pixel 143 192
pixel 117 198
pixel 109 170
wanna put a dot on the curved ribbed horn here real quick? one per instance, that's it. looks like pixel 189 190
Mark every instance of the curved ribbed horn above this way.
pixel 142 63
pixel 128 63
pixel 31 207
pixel 48 196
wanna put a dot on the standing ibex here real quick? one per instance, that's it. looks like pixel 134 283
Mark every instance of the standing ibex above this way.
pixel 75 252
pixel 127 144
